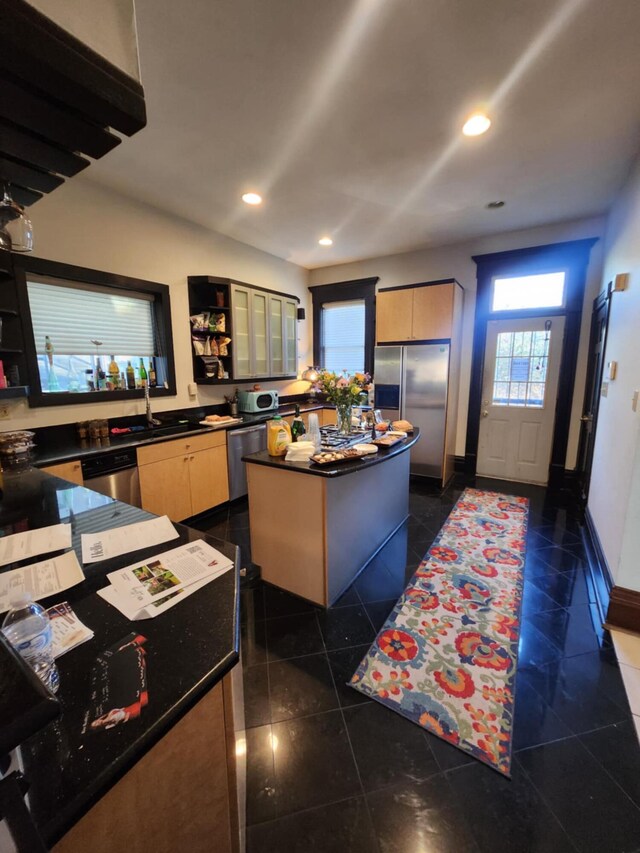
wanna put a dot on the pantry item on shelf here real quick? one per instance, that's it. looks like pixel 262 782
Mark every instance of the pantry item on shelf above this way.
pixel 220 298
pixel 16 443
pixel 200 322
pixel 223 346
pixel 217 323
pixel 365 449
pixel 210 366
pixel 402 426
pixel 215 350
pixel 198 347
pixel 222 373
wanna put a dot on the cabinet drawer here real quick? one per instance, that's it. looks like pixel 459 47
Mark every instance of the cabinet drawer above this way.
pixel 180 446
pixel 71 471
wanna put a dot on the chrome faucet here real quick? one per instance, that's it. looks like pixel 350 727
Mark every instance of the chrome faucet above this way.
pixel 151 421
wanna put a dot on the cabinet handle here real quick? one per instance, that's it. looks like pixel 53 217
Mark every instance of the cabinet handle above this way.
pixel 192 458
pixel 186 458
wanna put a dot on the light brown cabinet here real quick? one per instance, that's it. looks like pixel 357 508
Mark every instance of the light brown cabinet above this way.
pixel 184 477
pixel 71 471
pixel 421 313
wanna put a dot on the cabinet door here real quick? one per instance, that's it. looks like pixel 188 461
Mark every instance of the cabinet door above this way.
pixel 432 312
pixel 393 315
pixel 259 334
pixel 71 471
pixel 209 479
pixel 276 334
pixel 290 337
pixel 241 331
pixel 165 488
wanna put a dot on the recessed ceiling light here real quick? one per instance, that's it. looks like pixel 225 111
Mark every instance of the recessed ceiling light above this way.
pixel 325 241
pixel 494 205
pixel 252 198
pixel 477 124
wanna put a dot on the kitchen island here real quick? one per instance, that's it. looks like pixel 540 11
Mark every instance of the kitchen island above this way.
pixel 168 779
pixel 313 528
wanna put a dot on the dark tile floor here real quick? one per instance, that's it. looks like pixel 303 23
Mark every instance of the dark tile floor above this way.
pixel 329 770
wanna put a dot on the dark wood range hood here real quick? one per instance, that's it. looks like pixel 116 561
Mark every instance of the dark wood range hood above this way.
pixel 59 103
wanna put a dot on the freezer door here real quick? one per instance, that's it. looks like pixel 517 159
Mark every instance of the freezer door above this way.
pixel 387 376
pixel 426 371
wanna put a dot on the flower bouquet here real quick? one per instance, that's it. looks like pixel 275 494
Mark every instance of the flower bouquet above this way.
pixel 343 392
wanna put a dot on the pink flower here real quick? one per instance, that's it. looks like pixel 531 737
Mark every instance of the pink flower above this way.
pixel 342 383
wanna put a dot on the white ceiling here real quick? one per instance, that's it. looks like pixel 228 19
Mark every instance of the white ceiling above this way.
pixel 346 115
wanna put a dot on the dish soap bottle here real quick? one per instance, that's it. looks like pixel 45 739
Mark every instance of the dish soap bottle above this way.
pixel 298 428
pixel 278 436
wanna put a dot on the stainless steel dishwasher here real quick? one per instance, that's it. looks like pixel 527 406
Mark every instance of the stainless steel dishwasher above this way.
pixel 115 474
pixel 240 442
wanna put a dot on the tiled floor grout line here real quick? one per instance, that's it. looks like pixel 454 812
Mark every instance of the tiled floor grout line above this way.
pixel 353 754
pixel 613 778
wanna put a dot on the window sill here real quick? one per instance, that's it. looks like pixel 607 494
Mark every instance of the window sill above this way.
pixel 72 398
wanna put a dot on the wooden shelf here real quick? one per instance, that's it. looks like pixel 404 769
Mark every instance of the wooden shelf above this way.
pixel 14 391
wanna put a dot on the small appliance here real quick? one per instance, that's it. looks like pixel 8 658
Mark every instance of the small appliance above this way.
pixel 257 401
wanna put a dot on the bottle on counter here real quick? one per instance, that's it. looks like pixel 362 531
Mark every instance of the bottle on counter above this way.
pixel 28 629
pixel 143 374
pixel 153 379
pixel 100 378
pixel 131 377
pixel 114 374
pixel 298 429
pixel 278 436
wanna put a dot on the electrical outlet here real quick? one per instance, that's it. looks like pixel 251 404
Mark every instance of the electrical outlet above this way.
pixel 4 412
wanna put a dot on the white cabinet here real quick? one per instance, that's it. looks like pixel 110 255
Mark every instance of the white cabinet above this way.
pixel 241 332
pixel 263 332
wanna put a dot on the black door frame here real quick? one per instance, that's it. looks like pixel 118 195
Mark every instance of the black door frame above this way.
pixel 573 258
pixel 602 300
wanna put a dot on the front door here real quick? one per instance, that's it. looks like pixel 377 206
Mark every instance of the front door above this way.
pixel 595 371
pixel 519 391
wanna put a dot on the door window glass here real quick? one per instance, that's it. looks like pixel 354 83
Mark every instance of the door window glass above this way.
pixel 545 290
pixel 520 373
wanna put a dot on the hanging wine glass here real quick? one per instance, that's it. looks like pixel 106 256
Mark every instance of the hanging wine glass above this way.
pixel 16 230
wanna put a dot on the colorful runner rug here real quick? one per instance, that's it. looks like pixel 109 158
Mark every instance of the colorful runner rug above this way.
pixel 446 656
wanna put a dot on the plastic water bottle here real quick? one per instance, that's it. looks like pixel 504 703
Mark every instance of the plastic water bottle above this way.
pixel 28 629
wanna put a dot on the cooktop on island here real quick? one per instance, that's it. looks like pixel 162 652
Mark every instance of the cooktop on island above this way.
pixel 330 438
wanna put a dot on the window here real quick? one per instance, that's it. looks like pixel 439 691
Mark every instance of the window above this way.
pixel 91 335
pixel 521 369
pixel 545 290
pixel 343 336
pixel 344 325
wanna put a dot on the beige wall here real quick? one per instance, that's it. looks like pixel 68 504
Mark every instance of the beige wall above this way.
pixel 85 224
pixel 614 496
pixel 455 261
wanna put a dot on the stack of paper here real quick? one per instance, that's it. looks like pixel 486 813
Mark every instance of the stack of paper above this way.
pixel 107 544
pixel 144 590
pixel 68 630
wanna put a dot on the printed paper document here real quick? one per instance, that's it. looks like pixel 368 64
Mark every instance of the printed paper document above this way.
pixel 32 543
pixel 40 579
pixel 121 540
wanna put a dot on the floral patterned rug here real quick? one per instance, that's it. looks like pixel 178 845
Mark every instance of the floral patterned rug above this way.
pixel 446 656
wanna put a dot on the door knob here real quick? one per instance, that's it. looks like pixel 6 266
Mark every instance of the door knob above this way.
pixel 485 413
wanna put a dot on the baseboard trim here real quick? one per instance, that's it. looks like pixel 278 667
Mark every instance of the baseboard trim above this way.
pixel 624 609
pixel 599 573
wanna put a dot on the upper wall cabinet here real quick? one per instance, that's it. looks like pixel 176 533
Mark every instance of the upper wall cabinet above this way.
pixel 60 95
pixel 260 327
pixel 416 313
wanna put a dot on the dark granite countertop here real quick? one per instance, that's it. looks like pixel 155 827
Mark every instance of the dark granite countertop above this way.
pixel 189 648
pixel 67 447
pixel 341 469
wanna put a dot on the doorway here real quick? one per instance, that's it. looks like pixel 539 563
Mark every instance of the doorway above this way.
pixel 595 372
pixel 519 395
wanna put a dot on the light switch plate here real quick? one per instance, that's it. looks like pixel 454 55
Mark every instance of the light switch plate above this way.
pixel 604 390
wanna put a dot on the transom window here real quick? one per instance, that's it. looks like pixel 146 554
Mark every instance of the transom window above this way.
pixel 521 369
pixel 543 290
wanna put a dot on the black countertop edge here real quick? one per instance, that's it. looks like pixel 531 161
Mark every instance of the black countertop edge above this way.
pixel 340 470
pixel 69 817
pixel 41 458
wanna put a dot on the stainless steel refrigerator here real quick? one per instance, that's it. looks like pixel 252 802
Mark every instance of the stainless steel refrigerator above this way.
pixel 411 383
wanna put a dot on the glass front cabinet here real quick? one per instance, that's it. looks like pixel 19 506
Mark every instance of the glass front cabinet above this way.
pixel 265 329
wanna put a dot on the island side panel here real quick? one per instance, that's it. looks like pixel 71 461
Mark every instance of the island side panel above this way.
pixel 175 798
pixel 363 510
pixel 287 521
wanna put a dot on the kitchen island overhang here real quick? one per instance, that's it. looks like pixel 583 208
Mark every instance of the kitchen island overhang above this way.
pixel 313 529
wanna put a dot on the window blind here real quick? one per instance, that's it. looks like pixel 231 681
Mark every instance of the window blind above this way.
pixel 343 336
pixel 72 316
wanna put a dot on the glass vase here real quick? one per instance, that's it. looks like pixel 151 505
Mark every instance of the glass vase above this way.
pixel 343 418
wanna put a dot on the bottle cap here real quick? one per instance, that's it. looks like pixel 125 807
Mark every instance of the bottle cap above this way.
pixel 277 417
